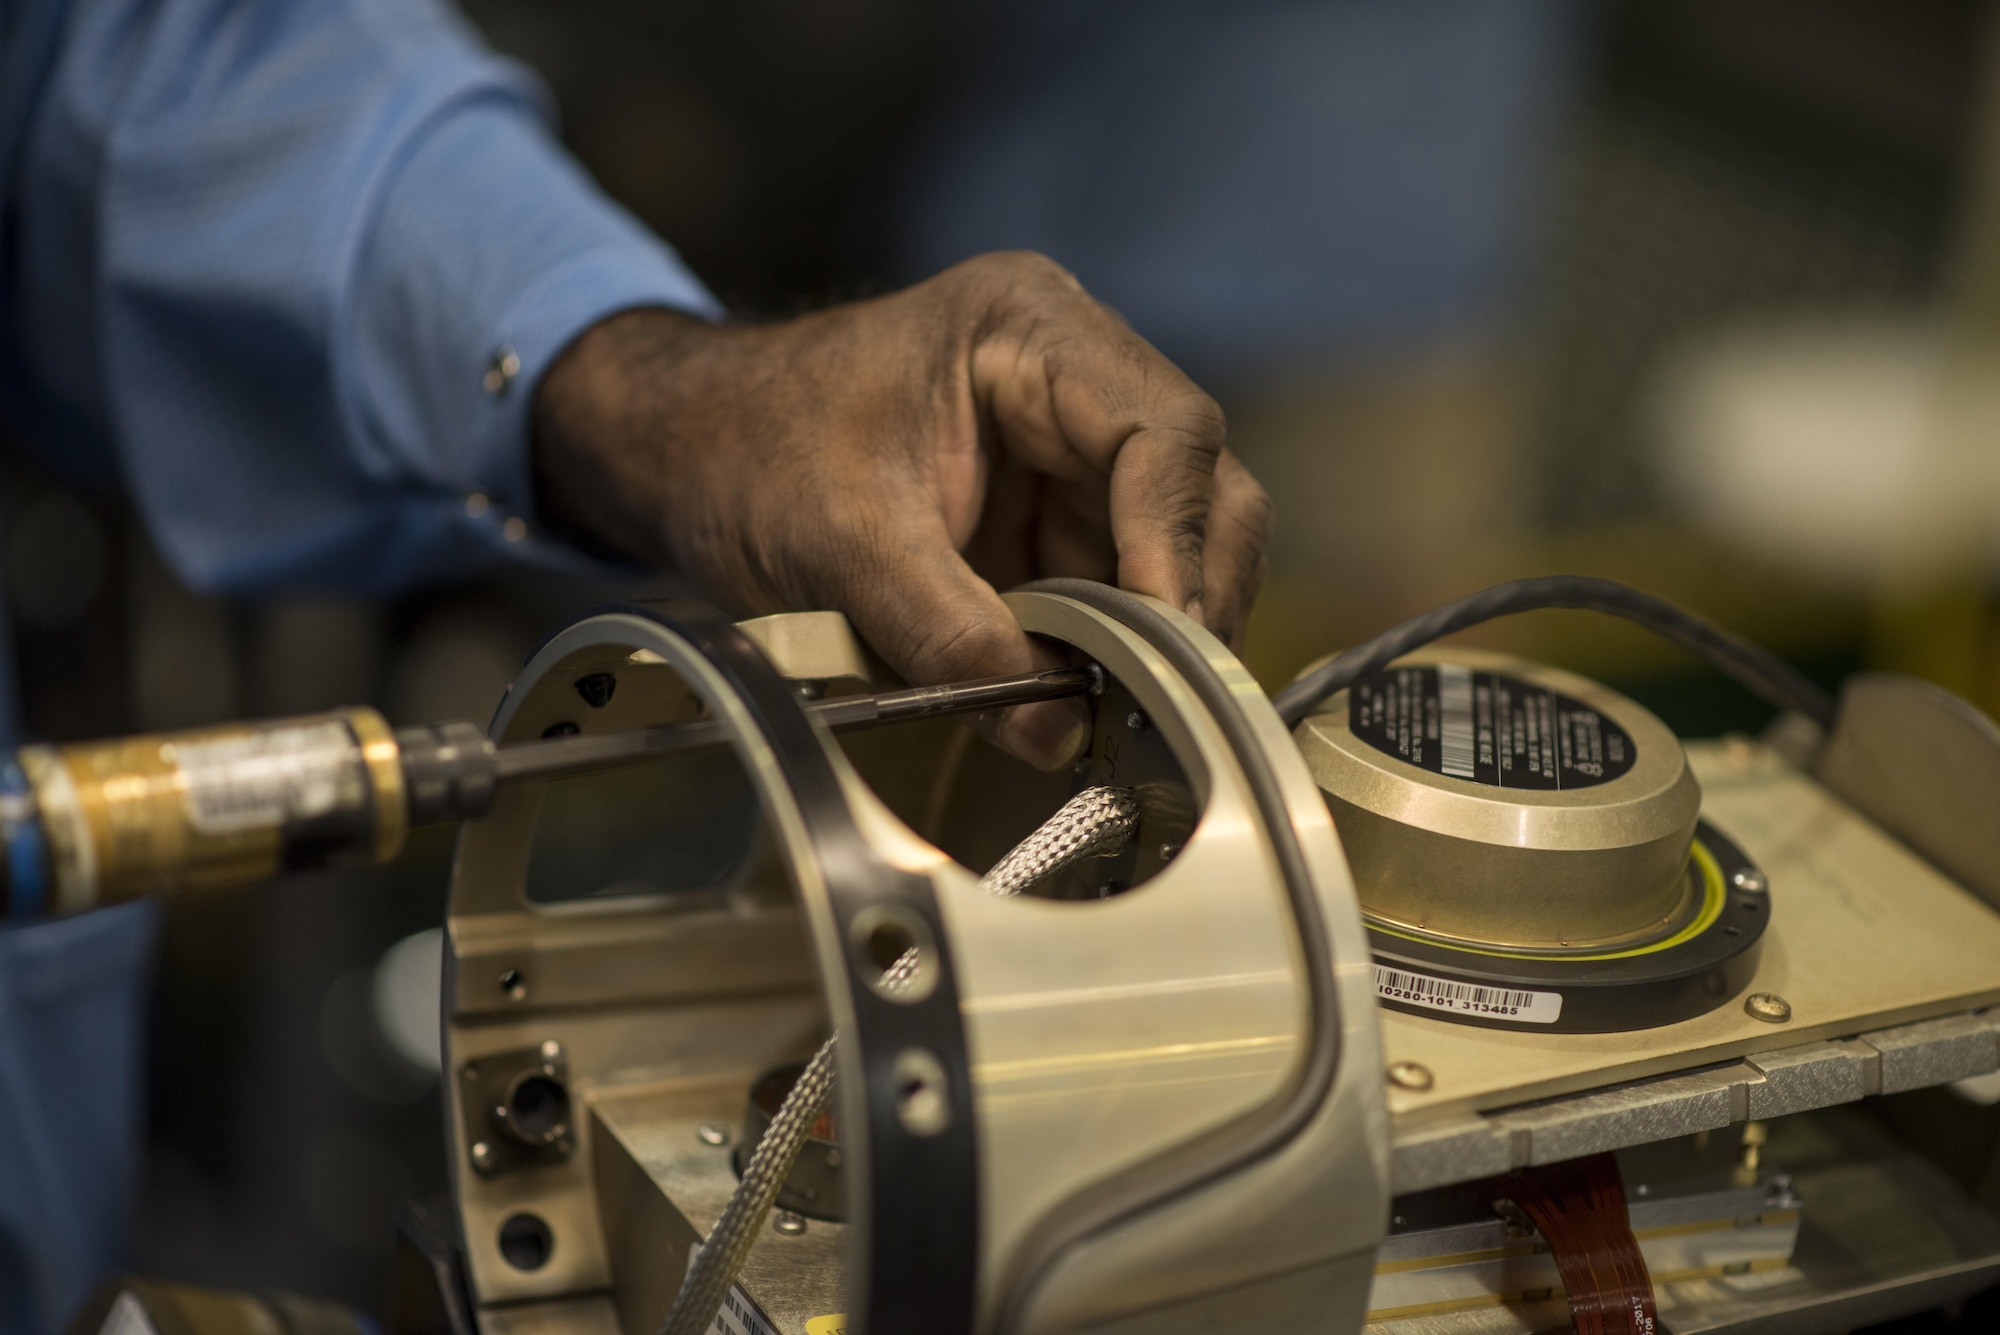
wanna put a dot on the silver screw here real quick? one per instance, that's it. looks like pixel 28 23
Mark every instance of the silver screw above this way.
pixel 1750 881
pixel 1410 1075
pixel 552 1051
pixel 1768 1007
pixel 712 1133
pixel 482 1156
pixel 1167 852
pixel 1136 720
pixel 833 1158
pixel 789 1224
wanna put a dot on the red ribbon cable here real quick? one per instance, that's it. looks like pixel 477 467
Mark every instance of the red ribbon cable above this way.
pixel 1579 1206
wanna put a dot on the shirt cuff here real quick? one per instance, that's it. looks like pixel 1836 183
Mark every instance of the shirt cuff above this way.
pixel 490 254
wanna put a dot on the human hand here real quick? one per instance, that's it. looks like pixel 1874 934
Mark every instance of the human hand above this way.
pixel 896 459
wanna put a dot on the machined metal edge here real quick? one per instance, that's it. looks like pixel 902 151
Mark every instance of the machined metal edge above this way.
pixel 915 1227
pixel 1437 1152
pixel 1334 1109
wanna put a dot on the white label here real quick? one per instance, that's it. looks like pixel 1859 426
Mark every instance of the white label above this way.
pixel 267 778
pixel 738 1315
pixel 1440 994
pixel 1456 751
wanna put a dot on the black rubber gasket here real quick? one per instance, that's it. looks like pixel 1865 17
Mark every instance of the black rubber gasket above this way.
pixel 921 1245
pixel 1262 1132
pixel 1606 995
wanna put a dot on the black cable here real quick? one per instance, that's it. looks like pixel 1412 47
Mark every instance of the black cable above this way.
pixel 1764 673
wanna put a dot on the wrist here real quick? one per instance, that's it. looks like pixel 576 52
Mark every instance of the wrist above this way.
pixel 609 427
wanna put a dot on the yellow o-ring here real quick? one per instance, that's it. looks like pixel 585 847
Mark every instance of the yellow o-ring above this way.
pixel 1714 895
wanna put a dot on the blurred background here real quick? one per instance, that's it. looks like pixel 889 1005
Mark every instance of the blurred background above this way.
pixel 1701 295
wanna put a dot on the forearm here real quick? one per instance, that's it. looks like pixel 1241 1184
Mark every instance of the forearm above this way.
pixel 304 305
pixel 706 446
pixel 630 395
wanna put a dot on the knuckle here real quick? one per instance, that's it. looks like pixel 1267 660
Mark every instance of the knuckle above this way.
pixel 937 647
pixel 1185 521
pixel 1257 512
pixel 1193 415
pixel 1006 278
pixel 1029 265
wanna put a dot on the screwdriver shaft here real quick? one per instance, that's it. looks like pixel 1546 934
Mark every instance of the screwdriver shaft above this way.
pixel 570 755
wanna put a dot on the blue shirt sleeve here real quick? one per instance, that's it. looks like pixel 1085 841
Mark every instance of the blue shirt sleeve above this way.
pixel 292 271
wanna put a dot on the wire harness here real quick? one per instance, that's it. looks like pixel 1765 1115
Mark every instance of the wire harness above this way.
pixel 1762 672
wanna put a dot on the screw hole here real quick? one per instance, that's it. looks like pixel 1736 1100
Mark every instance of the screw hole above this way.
pixel 923 1103
pixel 525 1242
pixel 888 942
pixel 596 689
pixel 894 953
pixel 514 984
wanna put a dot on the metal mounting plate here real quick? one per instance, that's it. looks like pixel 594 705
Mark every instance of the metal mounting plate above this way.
pixel 1864 935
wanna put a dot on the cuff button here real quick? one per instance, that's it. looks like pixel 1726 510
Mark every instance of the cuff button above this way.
pixel 500 372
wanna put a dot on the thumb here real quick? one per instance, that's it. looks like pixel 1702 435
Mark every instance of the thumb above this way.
pixel 922 608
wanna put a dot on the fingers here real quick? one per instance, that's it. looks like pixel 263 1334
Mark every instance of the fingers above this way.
pixel 1162 485
pixel 913 598
pixel 1240 523
pixel 1073 537
pixel 1065 382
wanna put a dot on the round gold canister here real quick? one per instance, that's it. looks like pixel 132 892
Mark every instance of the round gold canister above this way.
pixel 1475 862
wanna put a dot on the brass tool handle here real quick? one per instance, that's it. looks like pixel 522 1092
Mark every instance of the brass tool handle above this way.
pixel 113 820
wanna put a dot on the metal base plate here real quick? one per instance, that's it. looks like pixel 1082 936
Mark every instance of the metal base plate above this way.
pixel 1863 935
pixel 662 1184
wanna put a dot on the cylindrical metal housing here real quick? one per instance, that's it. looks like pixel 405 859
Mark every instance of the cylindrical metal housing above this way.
pixel 215 806
pixel 1493 802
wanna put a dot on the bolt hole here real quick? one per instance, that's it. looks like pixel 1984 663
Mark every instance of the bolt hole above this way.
pixel 889 942
pixel 1731 931
pixel 514 984
pixel 525 1242
pixel 923 1101
pixel 561 730
pixel 894 953
pixel 596 689
pixel 1748 905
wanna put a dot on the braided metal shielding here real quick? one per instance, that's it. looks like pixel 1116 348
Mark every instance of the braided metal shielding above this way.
pixel 1098 822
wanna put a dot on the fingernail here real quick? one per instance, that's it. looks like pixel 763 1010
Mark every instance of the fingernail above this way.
pixel 1048 736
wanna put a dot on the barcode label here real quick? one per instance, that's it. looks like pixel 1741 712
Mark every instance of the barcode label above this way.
pixel 1441 994
pixel 738 1315
pixel 1455 731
